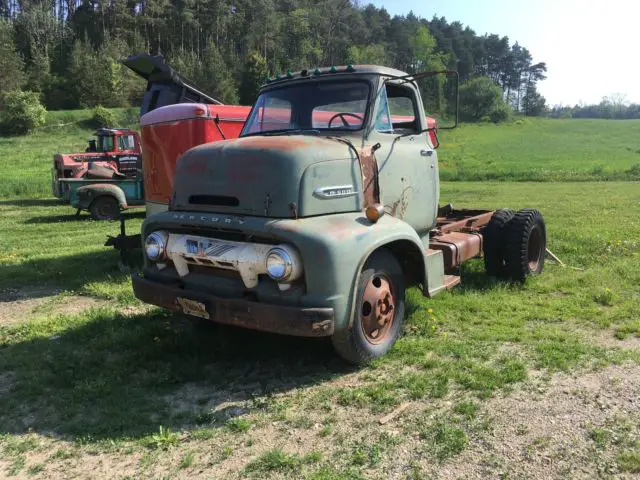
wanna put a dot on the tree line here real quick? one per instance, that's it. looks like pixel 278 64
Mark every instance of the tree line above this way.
pixel 614 107
pixel 67 51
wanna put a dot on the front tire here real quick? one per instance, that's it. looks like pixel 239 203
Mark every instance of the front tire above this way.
pixel 379 311
pixel 105 208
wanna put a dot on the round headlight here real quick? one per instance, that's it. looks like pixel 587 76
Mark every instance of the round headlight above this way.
pixel 279 264
pixel 155 245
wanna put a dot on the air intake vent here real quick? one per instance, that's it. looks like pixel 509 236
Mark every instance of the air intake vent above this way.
pixel 218 200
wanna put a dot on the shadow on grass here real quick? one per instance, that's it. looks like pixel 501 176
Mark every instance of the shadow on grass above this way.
pixel 108 376
pixel 84 216
pixel 32 202
pixel 65 272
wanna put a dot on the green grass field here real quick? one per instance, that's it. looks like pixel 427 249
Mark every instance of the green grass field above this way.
pixel 543 150
pixel 94 383
pixel 28 159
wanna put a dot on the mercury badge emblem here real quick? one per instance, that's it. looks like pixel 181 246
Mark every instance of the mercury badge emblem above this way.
pixel 339 191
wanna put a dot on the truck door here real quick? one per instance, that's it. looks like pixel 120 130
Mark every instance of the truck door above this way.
pixel 128 157
pixel 407 161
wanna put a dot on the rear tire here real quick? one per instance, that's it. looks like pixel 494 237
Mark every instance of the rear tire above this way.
pixel 379 312
pixel 105 207
pixel 493 242
pixel 526 245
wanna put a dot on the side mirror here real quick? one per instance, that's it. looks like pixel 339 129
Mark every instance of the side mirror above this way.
pixel 439 92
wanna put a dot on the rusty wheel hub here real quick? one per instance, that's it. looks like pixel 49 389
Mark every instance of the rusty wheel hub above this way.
pixel 377 309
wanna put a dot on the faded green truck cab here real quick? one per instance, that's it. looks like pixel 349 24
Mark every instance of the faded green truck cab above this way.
pixel 316 219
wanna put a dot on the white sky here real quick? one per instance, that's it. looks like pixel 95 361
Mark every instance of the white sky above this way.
pixel 592 48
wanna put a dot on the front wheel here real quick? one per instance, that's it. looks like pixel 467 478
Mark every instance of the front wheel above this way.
pixel 379 311
pixel 105 208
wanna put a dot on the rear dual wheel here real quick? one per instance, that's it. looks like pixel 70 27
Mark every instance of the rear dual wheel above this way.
pixel 379 311
pixel 515 244
pixel 526 245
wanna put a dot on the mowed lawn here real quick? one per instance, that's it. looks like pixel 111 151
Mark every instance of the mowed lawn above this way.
pixel 543 150
pixel 94 384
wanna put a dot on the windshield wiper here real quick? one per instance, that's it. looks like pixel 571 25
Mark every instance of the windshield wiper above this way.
pixel 284 131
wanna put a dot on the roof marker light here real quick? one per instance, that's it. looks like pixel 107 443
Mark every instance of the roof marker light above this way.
pixel 289 74
pixel 350 68
pixel 333 70
pixel 304 72
pixel 316 71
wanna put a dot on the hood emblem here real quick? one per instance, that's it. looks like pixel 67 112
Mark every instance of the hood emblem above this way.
pixel 339 191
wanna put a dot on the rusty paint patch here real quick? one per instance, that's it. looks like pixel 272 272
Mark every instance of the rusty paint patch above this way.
pixel 399 207
pixel 369 170
pixel 283 143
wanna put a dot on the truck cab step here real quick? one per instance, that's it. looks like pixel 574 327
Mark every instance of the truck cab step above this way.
pixel 451 281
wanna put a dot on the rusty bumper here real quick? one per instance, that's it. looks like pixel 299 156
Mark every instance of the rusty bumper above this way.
pixel 302 322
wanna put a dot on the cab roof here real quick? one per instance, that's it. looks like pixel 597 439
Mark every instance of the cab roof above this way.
pixel 112 131
pixel 326 72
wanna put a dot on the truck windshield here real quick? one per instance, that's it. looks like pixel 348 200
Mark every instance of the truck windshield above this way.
pixel 335 105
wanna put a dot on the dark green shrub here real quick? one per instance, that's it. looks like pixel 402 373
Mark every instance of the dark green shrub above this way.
pixel 500 113
pixel 103 117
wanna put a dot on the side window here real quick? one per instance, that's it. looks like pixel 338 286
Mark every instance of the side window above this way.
pixel 126 142
pixel 383 118
pixel 105 143
pixel 402 108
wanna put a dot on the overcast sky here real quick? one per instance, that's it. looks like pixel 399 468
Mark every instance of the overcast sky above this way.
pixel 591 47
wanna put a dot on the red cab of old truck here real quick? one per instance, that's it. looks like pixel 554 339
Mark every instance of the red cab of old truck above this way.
pixel 168 132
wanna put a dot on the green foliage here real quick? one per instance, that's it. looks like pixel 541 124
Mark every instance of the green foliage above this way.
pixel 238 425
pixel 164 439
pixel 480 98
pixel 533 104
pixel 501 112
pixel 629 461
pixel 375 54
pixel 11 65
pixel 278 461
pixel 21 112
pixel 103 117
pixel 253 75
pixel 444 439
pixel 209 71
pixel 224 47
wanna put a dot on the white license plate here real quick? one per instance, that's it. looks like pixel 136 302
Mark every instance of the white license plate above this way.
pixel 193 308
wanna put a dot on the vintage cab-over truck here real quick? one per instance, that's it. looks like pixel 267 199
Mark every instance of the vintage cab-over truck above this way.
pixel 322 213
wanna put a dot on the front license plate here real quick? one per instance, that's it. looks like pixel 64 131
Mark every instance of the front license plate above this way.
pixel 193 308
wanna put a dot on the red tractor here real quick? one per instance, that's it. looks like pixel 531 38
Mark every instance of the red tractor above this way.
pixel 113 153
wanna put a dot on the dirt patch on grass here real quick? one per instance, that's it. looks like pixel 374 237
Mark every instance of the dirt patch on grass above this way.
pixel 573 428
pixel 17 306
pixel 558 426
pixel 608 339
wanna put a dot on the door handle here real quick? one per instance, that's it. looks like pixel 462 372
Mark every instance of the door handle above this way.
pixel 426 153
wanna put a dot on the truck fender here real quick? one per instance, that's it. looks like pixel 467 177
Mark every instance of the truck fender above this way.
pixel 405 245
pixel 87 194
pixel 342 244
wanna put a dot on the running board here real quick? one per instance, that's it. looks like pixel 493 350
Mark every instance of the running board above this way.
pixel 451 281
